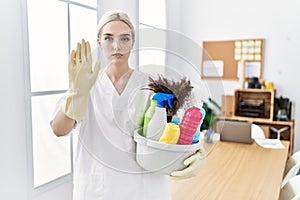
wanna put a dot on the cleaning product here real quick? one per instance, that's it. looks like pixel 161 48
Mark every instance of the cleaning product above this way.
pixel 176 119
pixel 197 134
pixel 158 121
pixel 171 134
pixel 209 135
pixel 148 115
pixel 189 125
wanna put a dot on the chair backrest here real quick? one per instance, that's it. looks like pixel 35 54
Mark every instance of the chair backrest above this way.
pixel 291 190
pixel 295 158
pixel 257 132
pixel 291 173
pixel 297 197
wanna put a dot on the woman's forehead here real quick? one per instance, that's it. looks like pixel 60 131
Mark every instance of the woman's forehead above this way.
pixel 116 28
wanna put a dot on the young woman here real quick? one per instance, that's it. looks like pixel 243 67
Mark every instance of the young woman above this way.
pixel 106 109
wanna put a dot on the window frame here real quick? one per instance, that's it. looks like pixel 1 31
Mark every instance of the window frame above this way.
pixel 29 94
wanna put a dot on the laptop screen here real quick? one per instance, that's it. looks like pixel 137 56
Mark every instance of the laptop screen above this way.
pixel 235 131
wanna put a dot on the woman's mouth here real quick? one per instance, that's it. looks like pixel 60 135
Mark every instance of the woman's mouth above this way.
pixel 117 55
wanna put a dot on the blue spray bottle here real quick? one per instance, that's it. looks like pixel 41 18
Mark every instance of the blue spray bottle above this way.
pixel 158 121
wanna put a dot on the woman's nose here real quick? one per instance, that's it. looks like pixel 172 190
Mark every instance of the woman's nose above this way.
pixel 116 44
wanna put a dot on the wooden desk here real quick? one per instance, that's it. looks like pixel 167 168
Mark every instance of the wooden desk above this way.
pixel 286 135
pixel 236 171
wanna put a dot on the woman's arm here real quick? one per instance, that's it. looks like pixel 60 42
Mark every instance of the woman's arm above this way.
pixel 62 124
pixel 82 77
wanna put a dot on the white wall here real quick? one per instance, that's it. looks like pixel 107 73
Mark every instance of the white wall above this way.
pixel 276 21
pixel 12 118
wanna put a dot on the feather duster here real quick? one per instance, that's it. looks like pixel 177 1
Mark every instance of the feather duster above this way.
pixel 180 89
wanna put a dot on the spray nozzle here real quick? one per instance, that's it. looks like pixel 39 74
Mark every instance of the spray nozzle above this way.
pixel 161 99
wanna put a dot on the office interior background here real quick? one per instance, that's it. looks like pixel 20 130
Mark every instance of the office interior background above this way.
pixel 274 20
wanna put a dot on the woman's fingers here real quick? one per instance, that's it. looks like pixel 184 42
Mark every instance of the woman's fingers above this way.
pixel 88 51
pixel 82 54
pixel 71 61
pixel 78 53
pixel 72 57
pixel 83 51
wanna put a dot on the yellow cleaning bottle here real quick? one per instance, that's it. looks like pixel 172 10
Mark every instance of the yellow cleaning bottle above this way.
pixel 171 134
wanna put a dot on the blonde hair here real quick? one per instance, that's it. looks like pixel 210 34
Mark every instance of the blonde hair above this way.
pixel 114 16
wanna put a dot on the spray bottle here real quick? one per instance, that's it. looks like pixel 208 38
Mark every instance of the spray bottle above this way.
pixel 158 121
pixel 189 125
pixel 148 115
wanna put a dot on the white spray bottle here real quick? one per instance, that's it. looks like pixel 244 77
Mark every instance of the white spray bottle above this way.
pixel 158 121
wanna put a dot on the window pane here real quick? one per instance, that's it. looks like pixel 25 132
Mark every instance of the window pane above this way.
pixel 83 26
pixel 153 13
pixel 51 154
pixel 152 61
pixel 92 3
pixel 48 45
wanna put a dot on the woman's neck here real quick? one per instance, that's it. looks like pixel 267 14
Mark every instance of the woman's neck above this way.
pixel 115 72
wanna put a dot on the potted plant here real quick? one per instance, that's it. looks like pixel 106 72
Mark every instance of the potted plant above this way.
pixel 210 108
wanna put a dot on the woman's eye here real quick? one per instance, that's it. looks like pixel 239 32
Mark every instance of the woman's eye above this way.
pixel 125 39
pixel 108 39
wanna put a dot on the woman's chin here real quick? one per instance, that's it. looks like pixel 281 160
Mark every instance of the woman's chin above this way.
pixel 119 59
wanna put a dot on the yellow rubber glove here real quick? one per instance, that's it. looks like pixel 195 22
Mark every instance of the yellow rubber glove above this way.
pixel 82 78
pixel 194 164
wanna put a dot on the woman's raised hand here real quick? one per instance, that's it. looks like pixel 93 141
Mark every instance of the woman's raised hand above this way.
pixel 82 77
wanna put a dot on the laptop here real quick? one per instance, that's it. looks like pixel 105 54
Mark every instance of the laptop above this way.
pixel 235 131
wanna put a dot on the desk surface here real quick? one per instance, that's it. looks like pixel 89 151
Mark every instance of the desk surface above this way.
pixel 236 171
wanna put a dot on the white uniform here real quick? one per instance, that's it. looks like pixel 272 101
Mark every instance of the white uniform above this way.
pixel 105 165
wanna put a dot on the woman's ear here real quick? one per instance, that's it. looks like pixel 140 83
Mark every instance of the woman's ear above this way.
pixel 99 42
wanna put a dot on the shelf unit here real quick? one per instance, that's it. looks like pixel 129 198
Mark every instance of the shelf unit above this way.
pixel 265 121
pixel 256 103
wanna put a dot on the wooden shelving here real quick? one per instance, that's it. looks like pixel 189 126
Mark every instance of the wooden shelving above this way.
pixel 254 103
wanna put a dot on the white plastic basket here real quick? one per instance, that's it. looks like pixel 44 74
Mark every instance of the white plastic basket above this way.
pixel 159 157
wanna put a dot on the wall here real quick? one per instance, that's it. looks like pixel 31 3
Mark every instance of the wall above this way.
pixel 12 106
pixel 276 21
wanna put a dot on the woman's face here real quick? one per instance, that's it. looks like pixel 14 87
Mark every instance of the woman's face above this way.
pixel 116 41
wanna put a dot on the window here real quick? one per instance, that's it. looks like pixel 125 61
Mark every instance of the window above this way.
pixel 54 28
pixel 152 25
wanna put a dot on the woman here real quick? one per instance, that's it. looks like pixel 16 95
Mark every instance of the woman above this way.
pixel 109 108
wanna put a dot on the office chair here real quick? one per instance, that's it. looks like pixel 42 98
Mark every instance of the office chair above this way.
pixel 295 158
pixel 291 190
pixel 291 173
pixel 257 132
pixel 297 197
